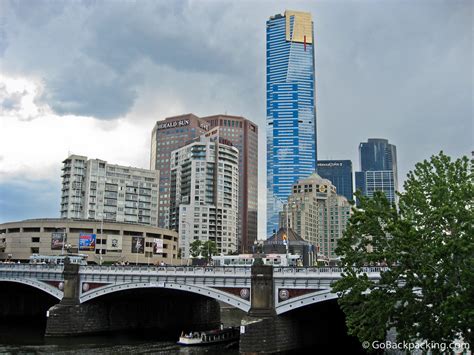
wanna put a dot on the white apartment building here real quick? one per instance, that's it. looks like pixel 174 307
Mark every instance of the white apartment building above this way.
pixel 317 213
pixel 204 191
pixel 95 189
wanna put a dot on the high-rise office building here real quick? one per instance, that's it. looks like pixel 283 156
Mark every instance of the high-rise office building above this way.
pixel 291 109
pixel 339 172
pixel 317 213
pixel 176 132
pixel 204 193
pixel 95 189
pixel 378 165
pixel 167 135
pixel 244 136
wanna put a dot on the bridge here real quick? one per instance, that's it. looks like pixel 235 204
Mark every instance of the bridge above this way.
pixel 268 295
pixel 294 287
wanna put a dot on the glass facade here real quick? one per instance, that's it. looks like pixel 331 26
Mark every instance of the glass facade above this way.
pixel 381 180
pixel 377 154
pixel 339 172
pixel 378 163
pixel 291 113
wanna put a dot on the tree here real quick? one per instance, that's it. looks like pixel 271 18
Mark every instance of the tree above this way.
pixel 195 248
pixel 428 246
pixel 208 248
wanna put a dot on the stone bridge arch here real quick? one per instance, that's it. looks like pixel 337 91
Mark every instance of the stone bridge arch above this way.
pixel 304 300
pixel 52 290
pixel 216 294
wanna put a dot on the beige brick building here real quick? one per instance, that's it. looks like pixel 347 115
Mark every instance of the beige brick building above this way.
pixel 317 213
pixel 113 241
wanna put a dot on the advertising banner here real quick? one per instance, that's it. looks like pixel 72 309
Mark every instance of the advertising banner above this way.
pixel 87 241
pixel 58 239
pixel 114 243
pixel 138 245
pixel 157 246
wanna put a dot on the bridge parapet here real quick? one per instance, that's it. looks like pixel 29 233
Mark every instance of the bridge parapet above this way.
pixel 166 270
pixel 187 269
pixel 31 267
pixel 324 270
pixel 48 278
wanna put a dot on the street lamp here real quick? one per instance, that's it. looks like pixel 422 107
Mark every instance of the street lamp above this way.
pixel 257 254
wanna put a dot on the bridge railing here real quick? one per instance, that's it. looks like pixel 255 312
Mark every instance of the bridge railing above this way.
pixel 136 269
pixel 31 267
pixel 323 270
pixel 226 270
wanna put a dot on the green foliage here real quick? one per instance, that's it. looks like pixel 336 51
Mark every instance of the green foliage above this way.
pixel 205 249
pixel 427 244
pixel 208 248
pixel 195 248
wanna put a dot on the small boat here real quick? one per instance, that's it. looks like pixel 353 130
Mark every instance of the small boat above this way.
pixel 221 335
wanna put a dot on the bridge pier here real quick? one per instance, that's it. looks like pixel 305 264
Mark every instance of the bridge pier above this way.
pixel 169 314
pixel 262 331
pixel 269 335
pixel 69 316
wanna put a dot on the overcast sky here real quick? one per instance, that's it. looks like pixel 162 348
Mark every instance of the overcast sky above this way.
pixel 93 77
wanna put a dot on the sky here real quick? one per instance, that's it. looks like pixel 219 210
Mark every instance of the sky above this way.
pixel 93 77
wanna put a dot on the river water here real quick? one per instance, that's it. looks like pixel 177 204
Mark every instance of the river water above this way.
pixel 26 337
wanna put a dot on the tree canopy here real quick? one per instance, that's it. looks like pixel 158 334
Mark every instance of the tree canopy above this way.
pixel 205 249
pixel 427 244
pixel 208 248
pixel 195 248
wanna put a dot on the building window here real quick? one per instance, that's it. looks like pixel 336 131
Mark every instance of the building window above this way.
pixel 35 240
pixel 34 250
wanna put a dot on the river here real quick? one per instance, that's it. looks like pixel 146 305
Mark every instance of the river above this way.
pixel 26 337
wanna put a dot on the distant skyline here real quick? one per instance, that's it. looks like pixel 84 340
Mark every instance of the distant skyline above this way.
pixel 92 78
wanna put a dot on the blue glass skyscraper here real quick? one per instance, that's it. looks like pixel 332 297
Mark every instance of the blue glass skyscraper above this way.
pixel 291 112
pixel 378 165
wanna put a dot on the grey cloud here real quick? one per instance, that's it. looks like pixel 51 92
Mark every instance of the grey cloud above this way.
pixel 10 101
pixel 179 39
pixel 85 53
pixel 90 89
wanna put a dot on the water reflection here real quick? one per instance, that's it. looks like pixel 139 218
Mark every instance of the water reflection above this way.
pixel 26 337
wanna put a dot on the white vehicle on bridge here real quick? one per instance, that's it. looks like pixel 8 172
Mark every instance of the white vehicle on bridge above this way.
pixel 248 259
pixel 80 259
